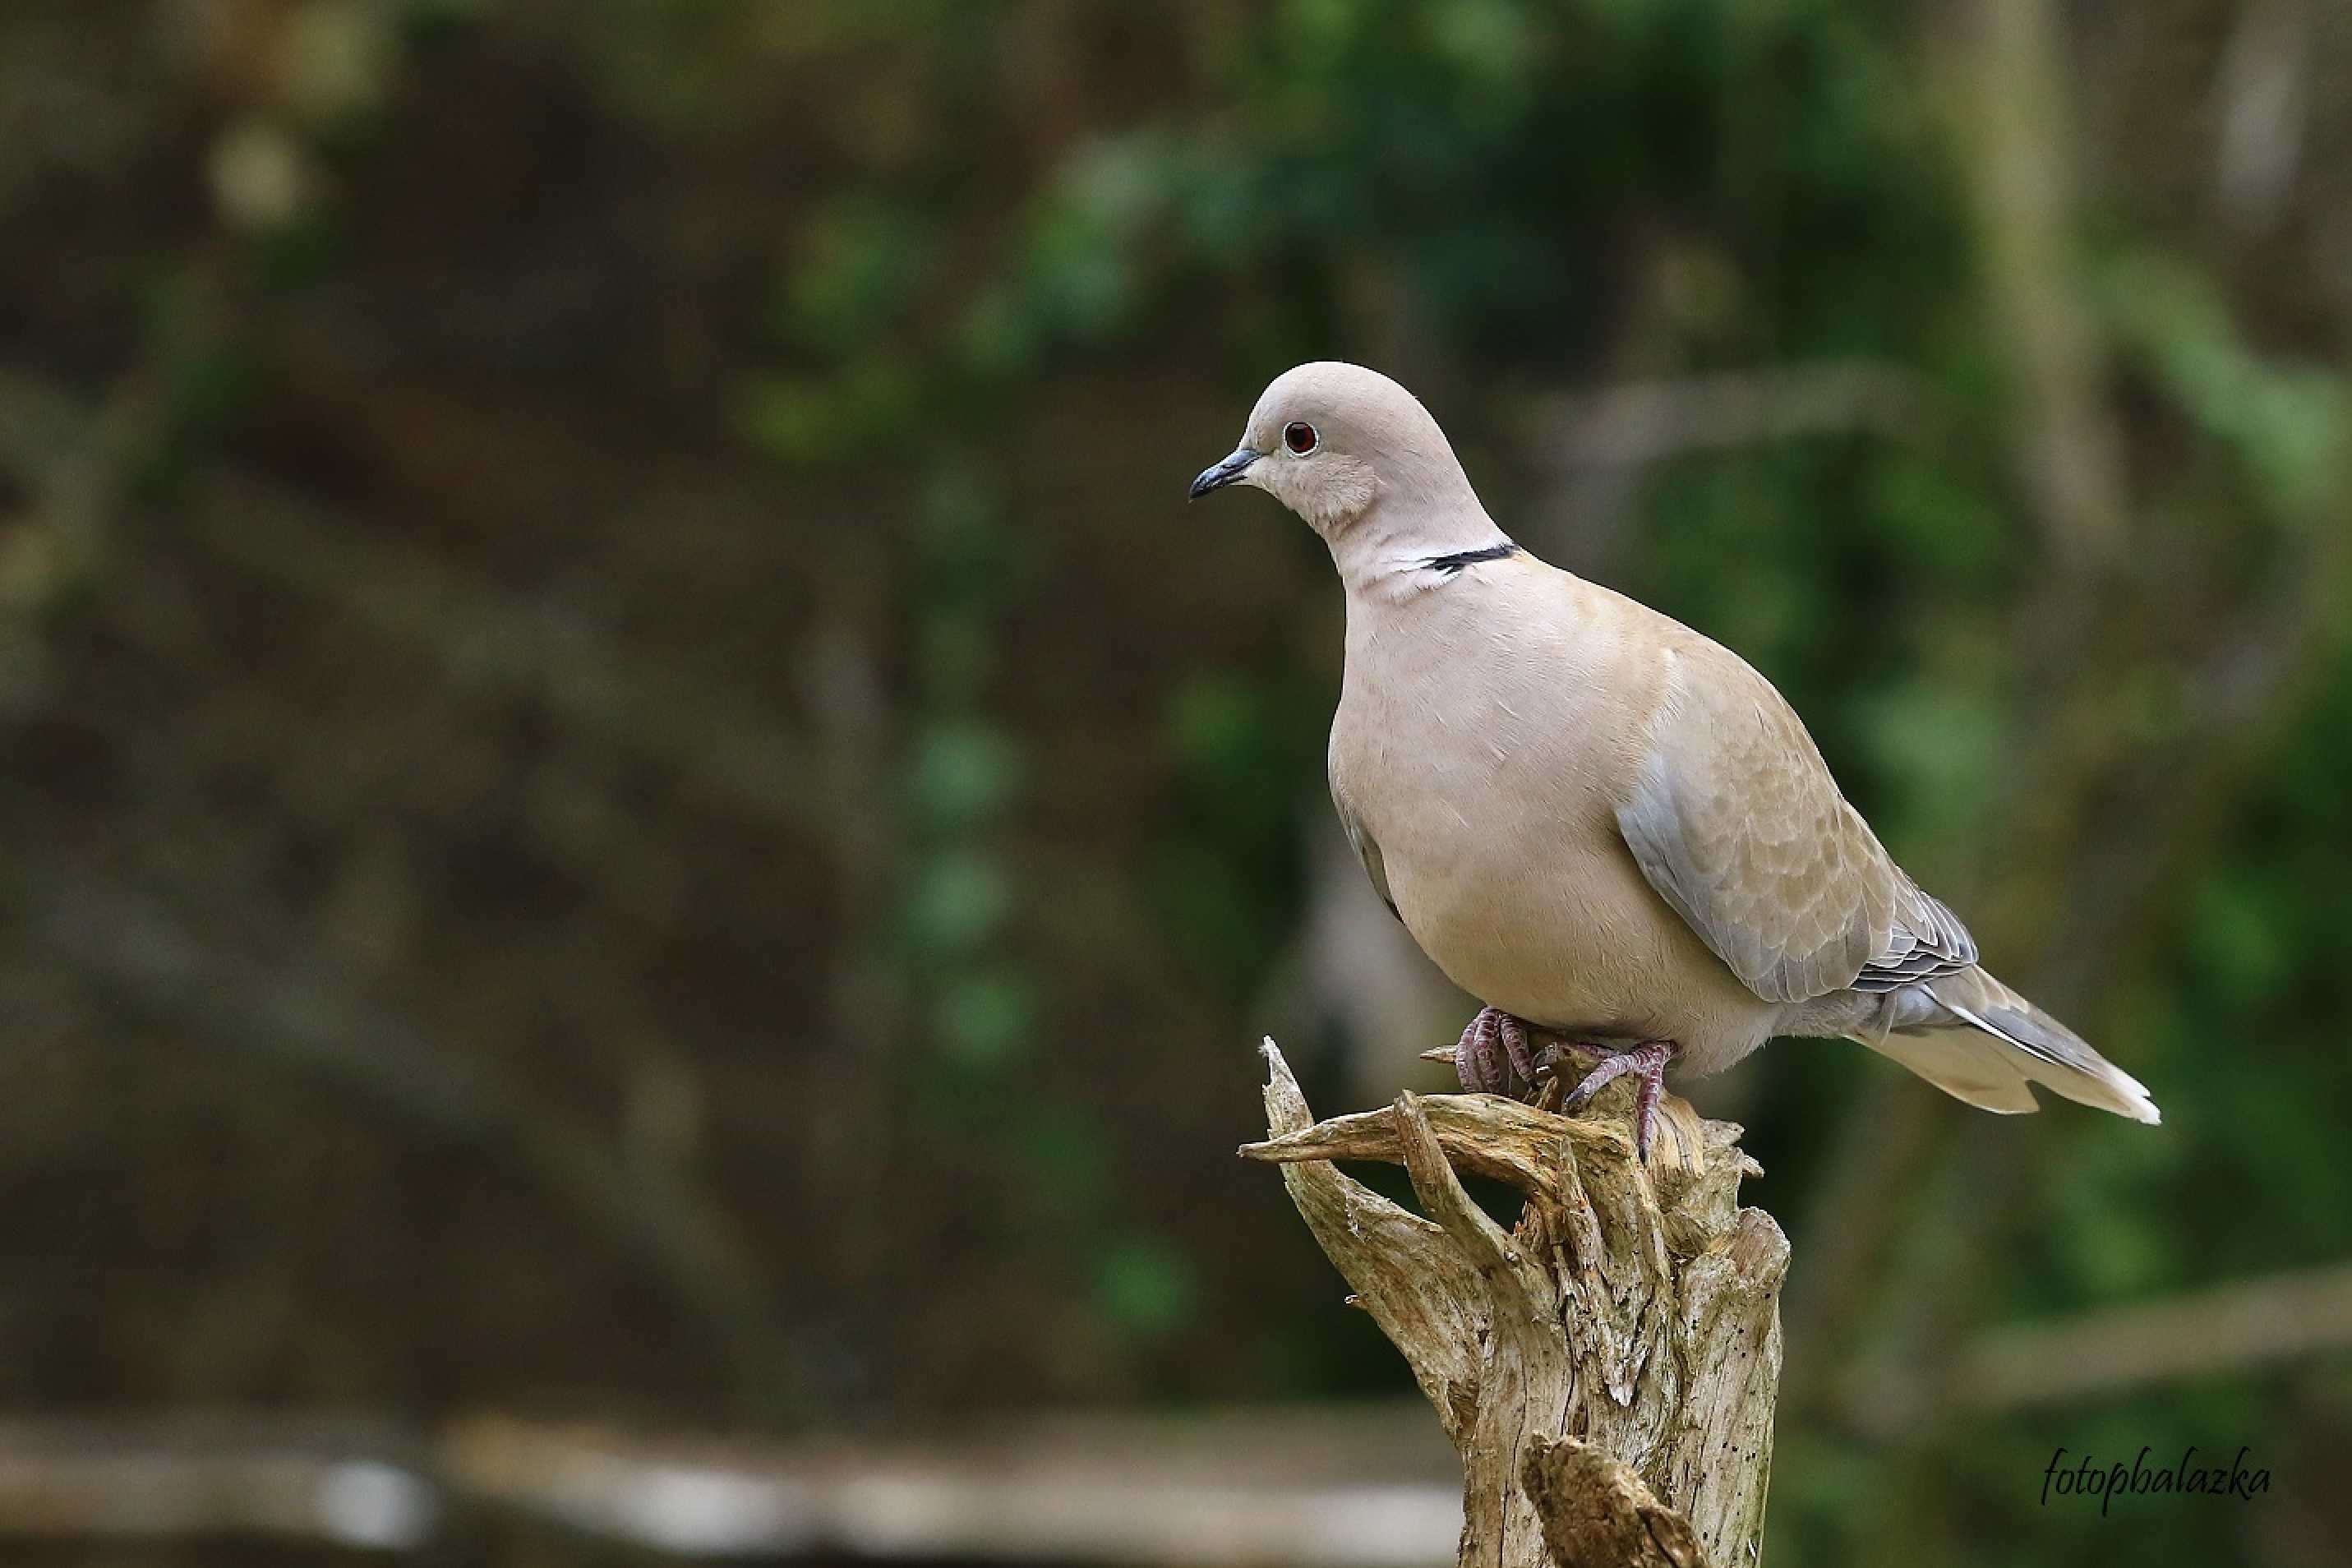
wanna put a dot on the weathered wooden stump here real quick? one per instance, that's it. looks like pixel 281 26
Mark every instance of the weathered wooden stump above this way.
pixel 1607 1367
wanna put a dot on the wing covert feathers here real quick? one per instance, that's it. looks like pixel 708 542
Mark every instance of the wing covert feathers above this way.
pixel 1736 821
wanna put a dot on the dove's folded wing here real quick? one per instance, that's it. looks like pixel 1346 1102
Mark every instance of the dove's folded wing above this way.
pixel 1734 818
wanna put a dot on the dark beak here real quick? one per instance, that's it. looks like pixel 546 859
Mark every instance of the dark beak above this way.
pixel 1223 472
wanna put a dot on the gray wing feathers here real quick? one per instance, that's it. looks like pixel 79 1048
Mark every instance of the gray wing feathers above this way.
pixel 1941 945
pixel 1734 820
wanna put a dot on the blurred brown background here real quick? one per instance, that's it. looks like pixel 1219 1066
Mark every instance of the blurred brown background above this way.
pixel 635 808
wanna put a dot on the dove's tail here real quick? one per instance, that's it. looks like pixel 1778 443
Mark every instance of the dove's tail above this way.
pixel 1978 1040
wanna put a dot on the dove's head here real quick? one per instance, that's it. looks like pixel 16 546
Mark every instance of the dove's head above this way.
pixel 1334 442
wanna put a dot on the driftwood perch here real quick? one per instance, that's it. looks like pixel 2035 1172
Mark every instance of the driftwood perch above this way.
pixel 1606 1368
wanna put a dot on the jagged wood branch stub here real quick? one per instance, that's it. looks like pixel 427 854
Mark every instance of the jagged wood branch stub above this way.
pixel 1607 1367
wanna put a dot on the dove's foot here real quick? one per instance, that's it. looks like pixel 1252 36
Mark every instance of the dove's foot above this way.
pixel 1649 1058
pixel 1494 1056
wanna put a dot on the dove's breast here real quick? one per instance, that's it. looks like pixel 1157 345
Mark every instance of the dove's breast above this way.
pixel 1466 751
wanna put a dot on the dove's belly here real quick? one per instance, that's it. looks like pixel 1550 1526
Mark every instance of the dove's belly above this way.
pixel 1570 937
pixel 1505 861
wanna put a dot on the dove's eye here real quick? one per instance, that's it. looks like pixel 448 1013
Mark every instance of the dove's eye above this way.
pixel 1299 437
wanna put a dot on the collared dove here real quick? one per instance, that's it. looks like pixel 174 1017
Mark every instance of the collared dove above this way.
pixel 1597 821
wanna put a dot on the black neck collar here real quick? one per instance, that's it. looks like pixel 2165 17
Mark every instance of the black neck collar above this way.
pixel 1452 565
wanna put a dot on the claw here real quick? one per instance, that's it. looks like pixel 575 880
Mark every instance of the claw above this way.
pixel 1515 1045
pixel 1645 1111
pixel 1649 1058
pixel 1475 1056
pixel 1493 1055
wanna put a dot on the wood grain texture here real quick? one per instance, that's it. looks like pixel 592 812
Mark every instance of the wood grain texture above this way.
pixel 1596 1513
pixel 1634 1310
